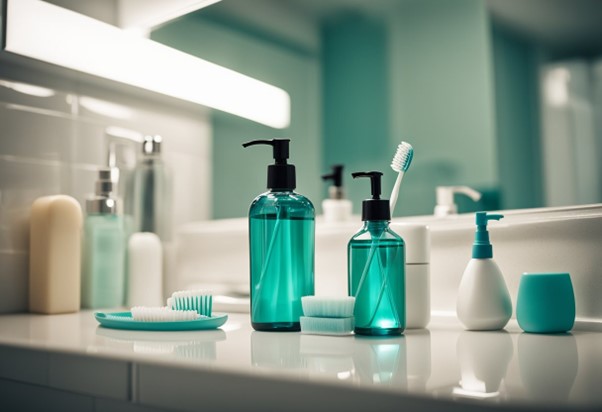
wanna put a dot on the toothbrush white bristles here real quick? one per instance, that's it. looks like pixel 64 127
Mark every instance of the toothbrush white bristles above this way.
pixel 191 293
pixel 162 314
pixel 199 300
pixel 328 307
pixel 400 163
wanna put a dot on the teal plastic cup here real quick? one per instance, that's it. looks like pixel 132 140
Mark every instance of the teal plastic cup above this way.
pixel 546 303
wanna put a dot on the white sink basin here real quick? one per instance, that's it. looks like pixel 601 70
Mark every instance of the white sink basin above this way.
pixel 215 254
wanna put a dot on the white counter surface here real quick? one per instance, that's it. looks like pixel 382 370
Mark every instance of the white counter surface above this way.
pixel 236 368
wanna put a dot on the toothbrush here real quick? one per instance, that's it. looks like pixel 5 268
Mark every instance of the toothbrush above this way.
pixel 401 163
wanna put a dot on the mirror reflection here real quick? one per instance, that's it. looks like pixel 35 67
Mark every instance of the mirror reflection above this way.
pixel 503 96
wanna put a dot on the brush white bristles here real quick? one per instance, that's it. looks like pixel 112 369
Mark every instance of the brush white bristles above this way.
pixel 327 326
pixel 328 307
pixel 403 157
pixel 400 163
pixel 162 314
pixel 199 300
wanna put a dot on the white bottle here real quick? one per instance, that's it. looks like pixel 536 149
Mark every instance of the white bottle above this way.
pixel 418 286
pixel 336 208
pixel 483 299
pixel 145 268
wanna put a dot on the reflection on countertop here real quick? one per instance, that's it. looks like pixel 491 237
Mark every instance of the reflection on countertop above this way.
pixel 504 367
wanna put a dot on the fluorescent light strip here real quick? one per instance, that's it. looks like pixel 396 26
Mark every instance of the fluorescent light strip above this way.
pixel 146 14
pixel 55 35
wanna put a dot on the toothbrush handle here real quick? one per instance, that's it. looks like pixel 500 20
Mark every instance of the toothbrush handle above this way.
pixel 395 192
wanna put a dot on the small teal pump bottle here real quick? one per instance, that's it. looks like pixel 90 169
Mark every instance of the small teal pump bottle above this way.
pixel 281 241
pixel 376 268
pixel 103 260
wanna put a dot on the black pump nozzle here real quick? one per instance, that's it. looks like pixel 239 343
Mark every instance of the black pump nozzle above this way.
pixel 336 176
pixel 374 208
pixel 280 152
pixel 280 175
pixel 336 190
pixel 374 181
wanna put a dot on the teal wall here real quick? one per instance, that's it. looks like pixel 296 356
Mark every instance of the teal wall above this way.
pixel 442 98
pixel 423 74
pixel 516 68
pixel 355 95
pixel 240 174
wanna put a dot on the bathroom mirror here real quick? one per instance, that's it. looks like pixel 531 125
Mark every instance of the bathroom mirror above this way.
pixel 504 96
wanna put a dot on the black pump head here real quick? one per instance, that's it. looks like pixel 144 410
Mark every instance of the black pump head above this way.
pixel 374 182
pixel 374 208
pixel 280 152
pixel 336 176
pixel 280 175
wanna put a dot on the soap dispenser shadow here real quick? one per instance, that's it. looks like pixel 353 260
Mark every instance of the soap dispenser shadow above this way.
pixel 484 359
pixel 381 361
pixel 276 351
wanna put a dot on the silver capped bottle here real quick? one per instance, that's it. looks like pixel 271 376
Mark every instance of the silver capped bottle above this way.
pixel 103 260
pixel 152 191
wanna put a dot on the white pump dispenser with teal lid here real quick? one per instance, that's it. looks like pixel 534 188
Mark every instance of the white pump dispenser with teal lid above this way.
pixel 483 299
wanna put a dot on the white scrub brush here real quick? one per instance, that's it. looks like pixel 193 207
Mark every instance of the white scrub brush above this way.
pixel 401 163
pixel 162 314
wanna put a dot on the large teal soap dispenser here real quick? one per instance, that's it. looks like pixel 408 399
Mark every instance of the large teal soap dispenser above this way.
pixel 376 264
pixel 281 241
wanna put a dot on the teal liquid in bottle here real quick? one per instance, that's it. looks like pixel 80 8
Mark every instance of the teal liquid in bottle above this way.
pixel 281 241
pixel 376 269
pixel 103 271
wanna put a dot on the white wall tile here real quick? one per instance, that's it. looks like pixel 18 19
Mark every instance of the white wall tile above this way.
pixel 59 102
pixel 21 182
pixel 14 282
pixel 34 135
pixel 56 144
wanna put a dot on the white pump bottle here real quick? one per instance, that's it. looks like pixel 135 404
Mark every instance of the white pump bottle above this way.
pixel 483 299
pixel 336 209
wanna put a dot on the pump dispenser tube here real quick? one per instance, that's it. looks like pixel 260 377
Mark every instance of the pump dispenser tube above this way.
pixel 376 268
pixel 281 241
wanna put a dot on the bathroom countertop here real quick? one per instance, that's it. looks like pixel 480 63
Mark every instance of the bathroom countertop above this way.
pixel 439 368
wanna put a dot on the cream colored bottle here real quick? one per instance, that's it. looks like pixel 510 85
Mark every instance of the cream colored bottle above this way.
pixel 54 255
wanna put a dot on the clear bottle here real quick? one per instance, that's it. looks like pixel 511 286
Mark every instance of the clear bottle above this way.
pixel 152 191
pixel 376 268
pixel 103 261
pixel 281 241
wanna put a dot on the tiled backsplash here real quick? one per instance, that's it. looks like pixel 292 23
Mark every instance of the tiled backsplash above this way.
pixel 52 141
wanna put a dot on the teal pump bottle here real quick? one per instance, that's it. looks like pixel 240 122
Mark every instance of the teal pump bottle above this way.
pixel 376 268
pixel 281 241
pixel 103 260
